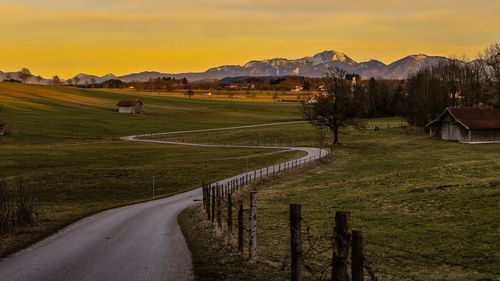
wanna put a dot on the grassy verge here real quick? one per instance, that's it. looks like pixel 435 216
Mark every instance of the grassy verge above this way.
pixel 211 259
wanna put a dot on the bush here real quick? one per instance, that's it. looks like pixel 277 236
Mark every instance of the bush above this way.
pixel 18 206
pixel 5 206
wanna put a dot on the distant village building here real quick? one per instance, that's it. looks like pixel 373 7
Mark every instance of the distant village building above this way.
pixel 467 124
pixel 297 88
pixel 2 127
pixel 130 106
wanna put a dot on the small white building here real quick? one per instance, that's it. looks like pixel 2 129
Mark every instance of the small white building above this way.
pixel 130 106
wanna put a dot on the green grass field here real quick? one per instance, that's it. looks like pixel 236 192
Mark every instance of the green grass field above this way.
pixel 60 141
pixel 428 208
pixel 253 96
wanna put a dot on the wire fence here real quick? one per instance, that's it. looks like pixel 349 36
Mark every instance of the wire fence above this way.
pixel 309 248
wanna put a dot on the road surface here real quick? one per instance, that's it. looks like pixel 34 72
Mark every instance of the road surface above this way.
pixel 136 242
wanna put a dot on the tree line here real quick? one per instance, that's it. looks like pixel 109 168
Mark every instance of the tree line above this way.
pixel 453 83
pixel 420 98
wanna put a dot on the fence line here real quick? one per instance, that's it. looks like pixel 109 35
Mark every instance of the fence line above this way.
pixel 348 259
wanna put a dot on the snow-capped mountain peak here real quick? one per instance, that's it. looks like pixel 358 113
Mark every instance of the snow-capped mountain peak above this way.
pixel 331 55
pixel 311 66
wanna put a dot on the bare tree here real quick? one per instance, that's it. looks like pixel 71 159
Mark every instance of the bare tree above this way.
pixel 189 93
pixel 230 94
pixel 39 79
pixel 336 108
pixel 92 81
pixel 490 61
pixel 275 96
pixel 76 79
pixel 24 74
pixel 56 81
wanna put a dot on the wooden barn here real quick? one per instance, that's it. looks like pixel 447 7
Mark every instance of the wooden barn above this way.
pixel 467 124
pixel 130 106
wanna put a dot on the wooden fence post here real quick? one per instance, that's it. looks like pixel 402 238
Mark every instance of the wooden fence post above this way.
pixel 296 243
pixel 204 194
pixel 241 230
pixel 213 203
pixel 230 213
pixel 357 262
pixel 208 209
pixel 253 227
pixel 341 245
pixel 219 210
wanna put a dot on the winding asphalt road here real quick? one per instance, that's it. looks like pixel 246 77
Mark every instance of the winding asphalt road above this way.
pixel 136 242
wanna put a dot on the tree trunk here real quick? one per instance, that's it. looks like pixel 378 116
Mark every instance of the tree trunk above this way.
pixel 335 135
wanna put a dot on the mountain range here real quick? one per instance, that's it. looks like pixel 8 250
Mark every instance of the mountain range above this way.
pixel 313 66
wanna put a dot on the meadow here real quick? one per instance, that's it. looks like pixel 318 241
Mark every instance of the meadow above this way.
pixel 63 142
pixel 230 95
pixel 428 208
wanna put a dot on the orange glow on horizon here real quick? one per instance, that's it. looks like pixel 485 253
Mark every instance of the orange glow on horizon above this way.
pixel 124 36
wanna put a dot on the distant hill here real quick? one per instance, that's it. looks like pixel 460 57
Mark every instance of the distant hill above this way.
pixel 313 66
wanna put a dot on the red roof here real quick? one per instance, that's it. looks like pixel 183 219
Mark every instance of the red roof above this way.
pixel 128 103
pixel 476 117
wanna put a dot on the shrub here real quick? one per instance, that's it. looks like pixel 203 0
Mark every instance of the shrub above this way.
pixel 5 206
pixel 18 206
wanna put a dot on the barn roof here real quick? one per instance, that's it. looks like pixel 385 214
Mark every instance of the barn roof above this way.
pixel 473 118
pixel 128 102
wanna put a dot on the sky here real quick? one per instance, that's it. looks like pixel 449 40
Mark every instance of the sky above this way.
pixel 123 36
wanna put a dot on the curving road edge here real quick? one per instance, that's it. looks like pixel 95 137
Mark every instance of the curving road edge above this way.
pixel 136 242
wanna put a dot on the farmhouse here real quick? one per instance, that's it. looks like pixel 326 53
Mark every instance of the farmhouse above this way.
pixel 467 124
pixel 130 106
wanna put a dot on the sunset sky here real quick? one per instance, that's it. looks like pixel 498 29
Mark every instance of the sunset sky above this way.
pixel 122 36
